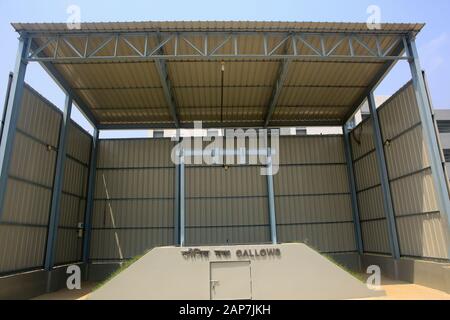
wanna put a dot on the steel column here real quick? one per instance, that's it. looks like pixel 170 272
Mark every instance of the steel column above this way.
pixel 271 198
pixel 11 118
pixel 436 130
pixel 5 106
pixel 384 178
pixel 429 132
pixel 176 211
pixel 352 186
pixel 57 186
pixel 182 200
pixel 90 197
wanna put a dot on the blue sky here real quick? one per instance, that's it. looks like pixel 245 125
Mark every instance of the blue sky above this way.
pixel 433 42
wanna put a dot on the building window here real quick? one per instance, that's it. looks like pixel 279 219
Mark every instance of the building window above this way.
pixel 158 134
pixel 365 116
pixel 443 126
pixel 300 131
pixel 447 155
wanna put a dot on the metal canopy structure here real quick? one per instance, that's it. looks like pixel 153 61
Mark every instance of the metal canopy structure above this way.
pixel 168 74
pixel 225 74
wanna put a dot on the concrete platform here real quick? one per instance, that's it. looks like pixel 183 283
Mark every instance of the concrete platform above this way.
pixel 258 272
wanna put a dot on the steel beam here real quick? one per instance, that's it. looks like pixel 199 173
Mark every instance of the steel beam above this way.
pixel 352 186
pixel 429 132
pixel 181 39
pixel 277 90
pixel 55 211
pixel 182 200
pixel 90 196
pixel 379 77
pixel 11 118
pixel 5 106
pixel 384 178
pixel 62 83
pixel 53 72
pixel 271 199
pixel 213 124
pixel 161 67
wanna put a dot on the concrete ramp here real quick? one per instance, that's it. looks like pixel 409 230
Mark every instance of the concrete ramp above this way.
pixel 258 272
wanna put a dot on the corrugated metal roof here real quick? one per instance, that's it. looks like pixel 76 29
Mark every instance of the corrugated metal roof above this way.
pixel 130 92
pixel 217 26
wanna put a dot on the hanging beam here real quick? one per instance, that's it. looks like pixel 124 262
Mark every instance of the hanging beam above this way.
pixel 429 132
pixel 90 197
pixel 352 186
pixel 218 124
pixel 11 117
pixel 384 178
pixel 55 211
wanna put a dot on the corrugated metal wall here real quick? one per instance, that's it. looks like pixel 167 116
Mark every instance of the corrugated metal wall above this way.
pixel 23 229
pixel 74 193
pixel 223 205
pixel 422 231
pixel 373 221
pixel 226 205
pixel 312 198
pixel 134 198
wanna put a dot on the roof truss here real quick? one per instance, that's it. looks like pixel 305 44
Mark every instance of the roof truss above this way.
pixel 212 45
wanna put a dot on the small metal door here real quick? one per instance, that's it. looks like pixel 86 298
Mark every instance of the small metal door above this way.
pixel 230 280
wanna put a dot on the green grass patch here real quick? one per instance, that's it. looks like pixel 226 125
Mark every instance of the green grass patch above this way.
pixel 357 275
pixel 123 266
